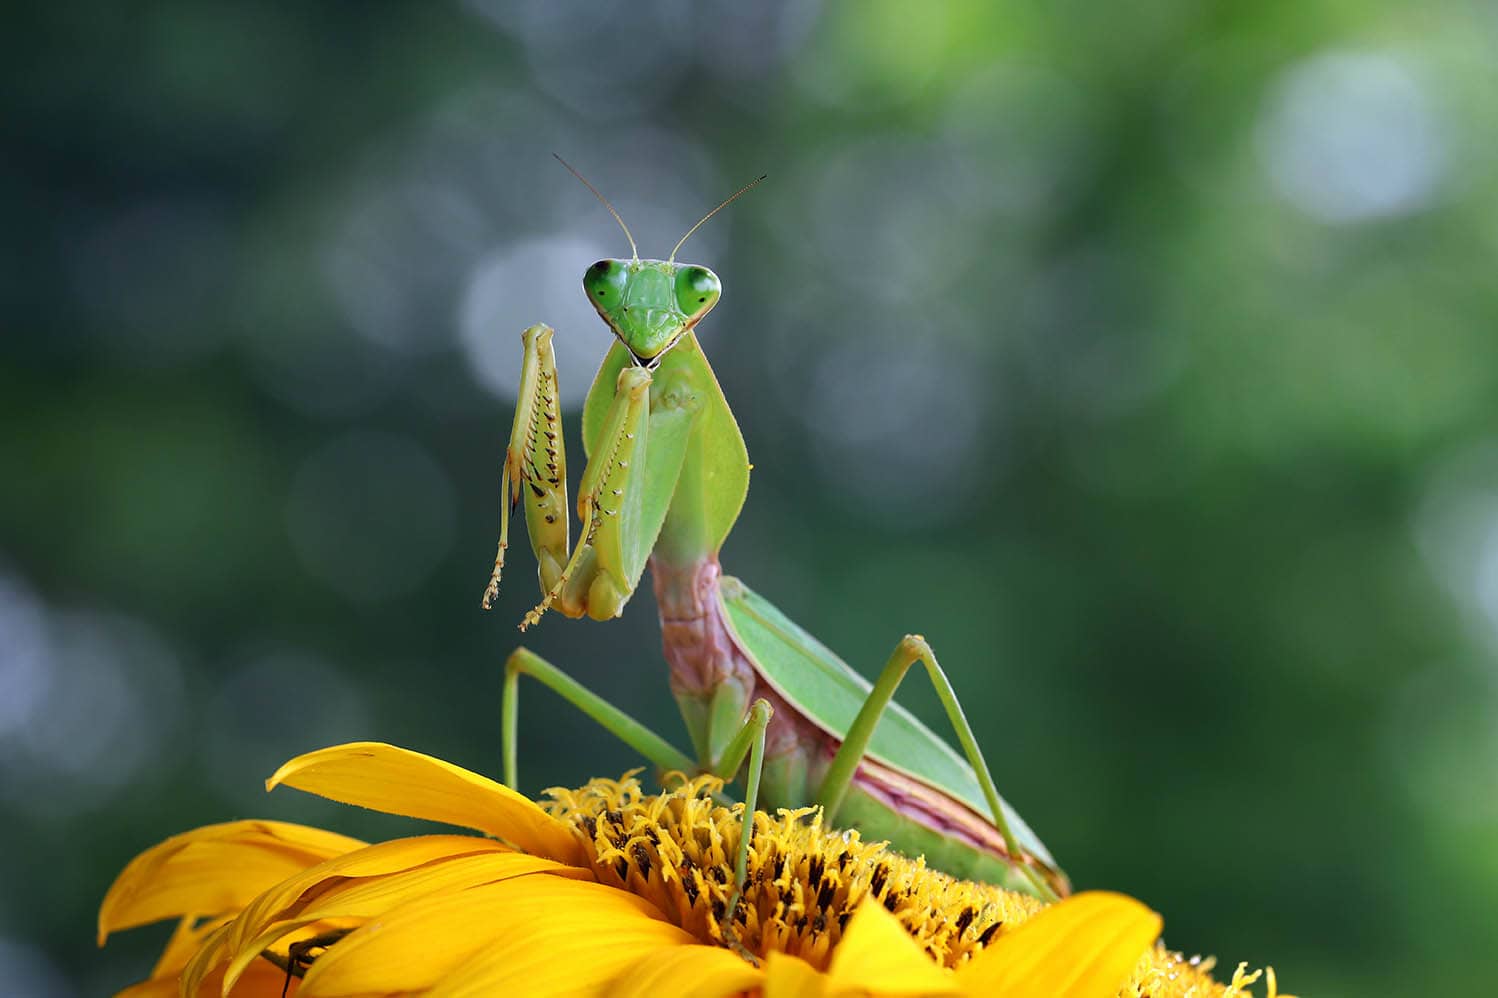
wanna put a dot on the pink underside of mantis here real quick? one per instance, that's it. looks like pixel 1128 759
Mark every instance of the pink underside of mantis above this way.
pixel 703 655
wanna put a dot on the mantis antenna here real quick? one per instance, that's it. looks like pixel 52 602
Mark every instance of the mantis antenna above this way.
pixel 633 252
pixel 725 204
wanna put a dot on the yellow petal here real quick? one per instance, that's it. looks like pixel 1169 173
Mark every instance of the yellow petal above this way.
pixel 266 980
pixel 877 954
pixel 205 963
pixel 398 781
pixel 187 938
pixel 378 860
pixel 351 901
pixel 688 971
pixel 214 869
pixel 789 976
pixel 1084 947
pixel 204 974
pixel 530 935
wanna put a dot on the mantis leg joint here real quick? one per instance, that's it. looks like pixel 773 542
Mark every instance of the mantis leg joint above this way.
pixel 915 646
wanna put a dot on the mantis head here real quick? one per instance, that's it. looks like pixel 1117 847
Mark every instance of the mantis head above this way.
pixel 649 304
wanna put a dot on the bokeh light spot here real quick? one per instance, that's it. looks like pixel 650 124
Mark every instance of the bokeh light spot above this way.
pixel 110 703
pixel 1352 136
pixel 538 280
pixel 24 651
pixel 1456 528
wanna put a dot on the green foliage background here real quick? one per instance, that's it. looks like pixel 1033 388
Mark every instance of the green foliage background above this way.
pixel 1142 357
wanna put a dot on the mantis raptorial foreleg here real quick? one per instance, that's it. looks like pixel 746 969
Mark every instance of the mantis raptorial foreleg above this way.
pixel 535 466
pixel 595 580
pixel 597 576
pixel 839 776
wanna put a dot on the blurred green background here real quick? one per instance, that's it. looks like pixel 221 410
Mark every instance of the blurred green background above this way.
pixel 1142 358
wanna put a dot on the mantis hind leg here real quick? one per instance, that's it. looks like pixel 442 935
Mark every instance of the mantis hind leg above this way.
pixel 912 649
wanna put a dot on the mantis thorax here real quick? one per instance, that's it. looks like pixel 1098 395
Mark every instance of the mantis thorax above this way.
pixel 649 304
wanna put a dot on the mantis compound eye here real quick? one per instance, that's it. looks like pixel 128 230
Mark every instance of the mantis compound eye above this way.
pixel 604 282
pixel 697 290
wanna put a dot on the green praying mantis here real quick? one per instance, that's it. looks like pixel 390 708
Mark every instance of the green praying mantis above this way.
pixel 666 477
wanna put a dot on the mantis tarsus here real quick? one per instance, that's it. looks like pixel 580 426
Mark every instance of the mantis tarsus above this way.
pixel 666 477
pixel 301 954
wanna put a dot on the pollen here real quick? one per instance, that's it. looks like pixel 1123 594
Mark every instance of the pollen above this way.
pixel 804 880
pixel 803 883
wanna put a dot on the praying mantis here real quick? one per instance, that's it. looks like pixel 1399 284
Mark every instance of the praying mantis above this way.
pixel 666 477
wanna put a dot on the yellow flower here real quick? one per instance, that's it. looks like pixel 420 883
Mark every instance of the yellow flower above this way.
pixel 606 890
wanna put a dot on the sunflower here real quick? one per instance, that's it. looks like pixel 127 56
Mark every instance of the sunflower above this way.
pixel 604 890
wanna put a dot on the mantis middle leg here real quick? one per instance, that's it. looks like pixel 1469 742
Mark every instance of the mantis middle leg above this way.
pixel 522 661
pixel 749 741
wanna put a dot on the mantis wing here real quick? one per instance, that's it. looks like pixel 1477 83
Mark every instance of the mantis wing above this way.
pixel 829 693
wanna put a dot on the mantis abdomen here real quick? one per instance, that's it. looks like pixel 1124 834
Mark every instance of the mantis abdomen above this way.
pixel 715 675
